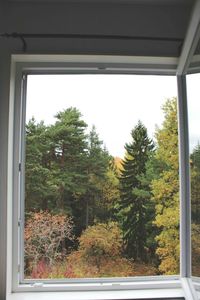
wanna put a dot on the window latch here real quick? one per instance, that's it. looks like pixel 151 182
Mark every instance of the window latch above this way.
pixel 38 284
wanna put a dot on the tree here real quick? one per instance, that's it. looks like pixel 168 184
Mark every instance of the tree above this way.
pixel 43 237
pixel 106 204
pixel 68 170
pixel 195 184
pixel 134 193
pixel 39 185
pixel 68 147
pixel 165 190
pixel 99 254
pixel 195 203
pixel 98 161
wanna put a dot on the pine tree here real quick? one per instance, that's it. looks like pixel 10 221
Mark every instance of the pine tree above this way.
pixel 134 193
pixel 39 186
pixel 68 147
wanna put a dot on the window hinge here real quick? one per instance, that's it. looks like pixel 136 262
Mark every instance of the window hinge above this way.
pixel 23 77
pixel 19 222
pixel 18 268
pixel 20 167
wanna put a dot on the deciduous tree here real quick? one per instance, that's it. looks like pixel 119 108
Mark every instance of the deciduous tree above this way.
pixel 165 190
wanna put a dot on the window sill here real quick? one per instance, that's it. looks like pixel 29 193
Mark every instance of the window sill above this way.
pixel 100 295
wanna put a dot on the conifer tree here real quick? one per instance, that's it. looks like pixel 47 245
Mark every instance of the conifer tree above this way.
pixel 68 142
pixel 39 185
pixel 97 165
pixel 135 193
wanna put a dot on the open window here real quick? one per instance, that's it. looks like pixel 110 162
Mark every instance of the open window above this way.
pixel 193 110
pixel 96 186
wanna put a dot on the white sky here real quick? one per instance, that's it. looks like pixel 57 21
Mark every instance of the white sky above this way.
pixel 113 103
pixel 193 92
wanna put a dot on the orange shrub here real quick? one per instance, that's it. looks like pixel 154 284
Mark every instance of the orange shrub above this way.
pixel 99 253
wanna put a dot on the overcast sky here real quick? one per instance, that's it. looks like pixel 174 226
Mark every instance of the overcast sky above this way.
pixel 193 91
pixel 113 103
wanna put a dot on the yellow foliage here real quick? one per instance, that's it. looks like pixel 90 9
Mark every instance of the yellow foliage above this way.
pixel 165 191
pixel 99 255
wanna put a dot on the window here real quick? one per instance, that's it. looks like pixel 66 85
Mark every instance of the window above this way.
pixel 94 171
pixel 21 166
pixel 36 180
pixel 193 111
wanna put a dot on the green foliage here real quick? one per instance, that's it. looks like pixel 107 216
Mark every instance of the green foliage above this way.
pixel 165 191
pixel 195 186
pixel 109 197
pixel 39 187
pixel 68 145
pixel 68 170
pixel 97 165
pixel 195 201
pixel 135 193
pixel 195 250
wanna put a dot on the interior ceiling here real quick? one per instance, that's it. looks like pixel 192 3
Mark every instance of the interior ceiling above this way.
pixel 151 19
pixel 136 2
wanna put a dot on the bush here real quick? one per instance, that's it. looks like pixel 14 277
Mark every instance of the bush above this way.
pixel 99 254
pixel 101 241
pixel 45 238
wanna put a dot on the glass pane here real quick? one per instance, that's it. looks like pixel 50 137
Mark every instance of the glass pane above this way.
pixel 194 138
pixel 101 176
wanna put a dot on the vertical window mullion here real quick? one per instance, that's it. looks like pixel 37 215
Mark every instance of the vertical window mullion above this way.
pixel 184 179
pixel 18 183
pixel 22 175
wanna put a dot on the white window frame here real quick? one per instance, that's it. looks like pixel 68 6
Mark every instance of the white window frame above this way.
pixel 135 287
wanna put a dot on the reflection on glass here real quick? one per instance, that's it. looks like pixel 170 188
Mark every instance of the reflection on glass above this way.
pixel 101 179
pixel 194 140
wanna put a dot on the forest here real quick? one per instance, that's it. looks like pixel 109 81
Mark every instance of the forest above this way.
pixel 88 214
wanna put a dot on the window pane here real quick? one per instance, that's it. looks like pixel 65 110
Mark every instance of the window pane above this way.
pixel 194 135
pixel 101 176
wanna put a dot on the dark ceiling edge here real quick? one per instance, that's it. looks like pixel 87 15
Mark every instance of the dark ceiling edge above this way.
pixel 134 2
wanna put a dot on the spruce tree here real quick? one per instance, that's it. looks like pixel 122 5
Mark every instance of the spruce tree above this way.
pixel 135 193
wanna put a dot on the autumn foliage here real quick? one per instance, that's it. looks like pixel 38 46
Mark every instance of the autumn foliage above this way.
pixel 100 254
pixel 45 240
pixel 91 215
